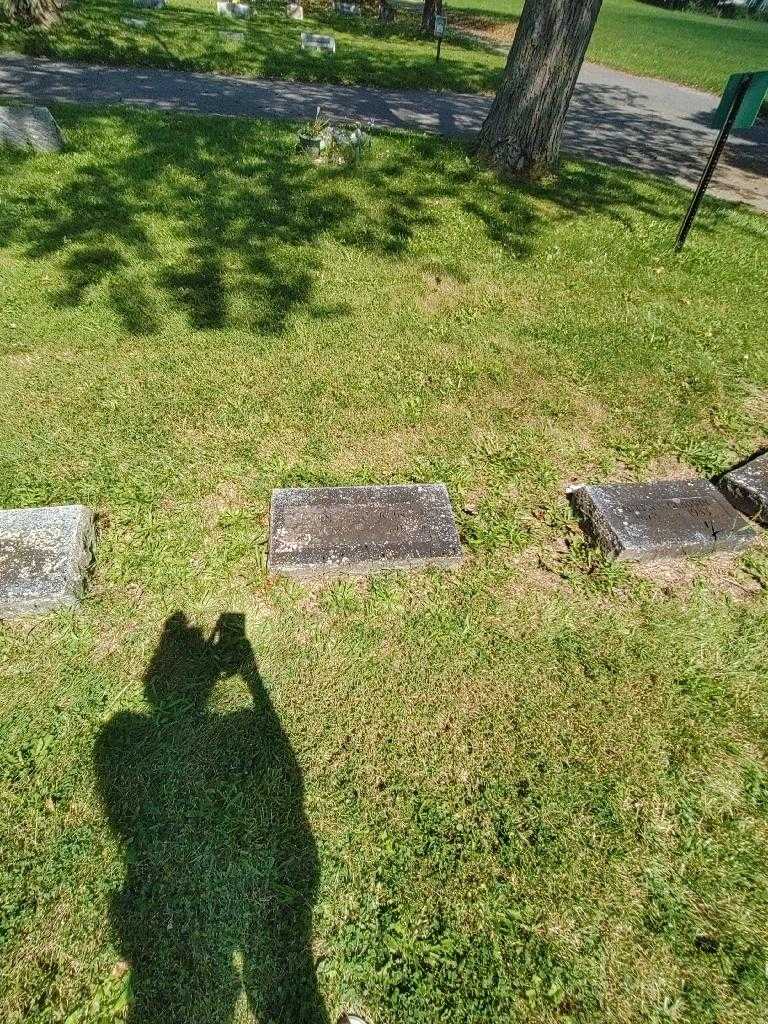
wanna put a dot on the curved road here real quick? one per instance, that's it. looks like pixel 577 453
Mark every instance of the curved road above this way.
pixel 615 118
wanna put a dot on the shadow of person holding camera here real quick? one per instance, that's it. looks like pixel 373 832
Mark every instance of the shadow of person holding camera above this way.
pixel 221 868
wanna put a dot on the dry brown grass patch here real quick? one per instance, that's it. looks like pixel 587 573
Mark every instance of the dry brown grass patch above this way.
pixel 721 573
pixel 441 292
pixel 486 29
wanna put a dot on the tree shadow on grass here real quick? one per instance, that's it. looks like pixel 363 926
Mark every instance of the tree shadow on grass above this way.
pixel 224 222
pixel 221 866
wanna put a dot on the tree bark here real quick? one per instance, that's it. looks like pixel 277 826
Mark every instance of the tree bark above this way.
pixel 522 132
pixel 431 8
pixel 34 12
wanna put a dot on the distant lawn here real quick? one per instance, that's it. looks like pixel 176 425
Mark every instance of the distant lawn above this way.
pixel 692 49
pixel 534 789
pixel 186 35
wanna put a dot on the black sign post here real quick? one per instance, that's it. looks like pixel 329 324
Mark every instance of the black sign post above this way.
pixel 740 91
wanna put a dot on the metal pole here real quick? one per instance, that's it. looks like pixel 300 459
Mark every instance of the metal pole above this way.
pixel 714 156
pixel 439 42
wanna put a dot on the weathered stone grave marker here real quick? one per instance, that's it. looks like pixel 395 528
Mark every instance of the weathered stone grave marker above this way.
pixel 233 10
pixel 152 5
pixel 30 128
pixel 747 488
pixel 44 556
pixel 295 11
pixel 348 9
pixel 310 41
pixel 358 530
pixel 663 519
pixel 135 22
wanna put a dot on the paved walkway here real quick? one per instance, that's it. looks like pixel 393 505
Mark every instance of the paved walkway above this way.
pixel 615 118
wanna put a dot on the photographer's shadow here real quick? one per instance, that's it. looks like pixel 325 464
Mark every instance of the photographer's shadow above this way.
pixel 221 867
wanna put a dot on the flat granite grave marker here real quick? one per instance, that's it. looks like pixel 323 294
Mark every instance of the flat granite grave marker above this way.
pixel 135 22
pixel 233 10
pixel 358 530
pixel 310 41
pixel 295 11
pixel 663 519
pixel 44 556
pixel 747 488
pixel 152 5
pixel 30 128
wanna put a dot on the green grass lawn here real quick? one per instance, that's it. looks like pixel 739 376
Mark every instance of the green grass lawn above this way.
pixel 692 49
pixel 680 46
pixel 532 789
pixel 186 35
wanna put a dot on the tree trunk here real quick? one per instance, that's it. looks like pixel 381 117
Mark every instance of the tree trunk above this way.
pixel 34 12
pixel 521 134
pixel 431 8
pixel 386 14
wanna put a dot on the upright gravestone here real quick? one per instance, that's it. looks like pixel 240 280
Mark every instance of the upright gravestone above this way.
pixel 44 556
pixel 317 43
pixel 295 11
pixel 359 530
pixel 348 9
pixel 233 10
pixel 747 488
pixel 663 519
pixel 30 128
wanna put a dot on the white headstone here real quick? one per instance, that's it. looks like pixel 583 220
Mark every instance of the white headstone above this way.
pixel 310 41
pixel 233 10
pixel 30 128
pixel 296 11
pixel 348 9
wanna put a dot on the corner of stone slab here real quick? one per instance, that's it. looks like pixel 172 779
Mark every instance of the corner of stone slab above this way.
pixel 585 510
pixel 83 555
pixel 742 500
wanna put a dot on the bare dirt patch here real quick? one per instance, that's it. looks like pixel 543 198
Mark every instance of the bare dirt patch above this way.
pixel 670 467
pixel 538 569
pixel 722 573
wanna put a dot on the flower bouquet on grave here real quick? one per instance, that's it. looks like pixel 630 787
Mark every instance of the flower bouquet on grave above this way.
pixel 316 136
pixel 351 140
